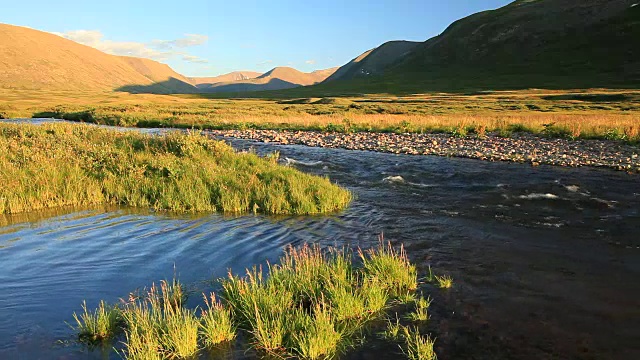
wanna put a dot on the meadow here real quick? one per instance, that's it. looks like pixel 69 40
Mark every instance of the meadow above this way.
pixel 580 114
pixel 54 165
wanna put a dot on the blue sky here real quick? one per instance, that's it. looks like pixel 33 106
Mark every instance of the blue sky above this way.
pixel 208 38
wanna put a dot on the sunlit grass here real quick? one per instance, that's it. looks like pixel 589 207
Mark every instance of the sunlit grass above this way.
pixel 98 326
pixel 391 269
pixel 543 112
pixel 420 313
pixel 393 331
pixel 417 346
pixel 157 326
pixel 313 304
pixel 54 165
pixel 217 325
pixel 444 281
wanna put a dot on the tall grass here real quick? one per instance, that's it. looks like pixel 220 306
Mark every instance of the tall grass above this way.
pixel 55 165
pixel 313 304
pixel 391 269
pixel 217 325
pixel 157 326
pixel 98 326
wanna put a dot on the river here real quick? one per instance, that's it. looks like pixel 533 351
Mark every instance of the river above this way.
pixel 545 260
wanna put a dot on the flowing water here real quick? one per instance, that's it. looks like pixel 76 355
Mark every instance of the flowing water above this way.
pixel 545 260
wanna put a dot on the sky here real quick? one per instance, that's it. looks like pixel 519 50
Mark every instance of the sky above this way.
pixel 209 38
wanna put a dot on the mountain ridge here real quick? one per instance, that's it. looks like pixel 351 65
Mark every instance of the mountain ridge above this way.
pixel 525 44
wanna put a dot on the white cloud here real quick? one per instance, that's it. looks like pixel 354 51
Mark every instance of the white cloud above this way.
pixel 266 62
pixel 310 62
pixel 187 41
pixel 194 59
pixel 156 49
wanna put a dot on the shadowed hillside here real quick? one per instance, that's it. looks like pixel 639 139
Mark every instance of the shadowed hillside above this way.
pixel 528 43
pixel 159 73
pixel 32 59
pixel 375 61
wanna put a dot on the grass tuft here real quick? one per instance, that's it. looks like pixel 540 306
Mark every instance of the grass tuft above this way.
pixel 159 327
pixel 216 323
pixel 393 331
pixel 444 281
pixel 416 346
pixel 392 269
pixel 99 326
pixel 317 337
pixel 421 310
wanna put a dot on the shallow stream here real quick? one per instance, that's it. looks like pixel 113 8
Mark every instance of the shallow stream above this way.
pixel 545 260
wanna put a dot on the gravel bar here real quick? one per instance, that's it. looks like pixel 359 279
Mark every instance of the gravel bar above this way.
pixel 521 147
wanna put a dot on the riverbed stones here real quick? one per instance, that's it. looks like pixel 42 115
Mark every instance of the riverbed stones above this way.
pixel 523 148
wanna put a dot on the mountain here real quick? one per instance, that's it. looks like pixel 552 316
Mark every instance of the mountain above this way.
pixel 528 43
pixel 278 78
pixel 230 77
pixel 294 76
pixel 374 61
pixel 32 59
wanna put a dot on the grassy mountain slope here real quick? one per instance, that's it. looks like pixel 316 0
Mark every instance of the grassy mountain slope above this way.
pixel 375 61
pixel 528 43
pixel 159 73
pixel 32 59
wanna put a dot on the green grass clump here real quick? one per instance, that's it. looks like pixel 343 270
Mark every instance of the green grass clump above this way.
pixel 99 326
pixel 317 337
pixel 393 331
pixel 391 268
pixel 416 346
pixel 157 326
pixel 421 310
pixel 51 165
pixel 217 324
pixel 444 281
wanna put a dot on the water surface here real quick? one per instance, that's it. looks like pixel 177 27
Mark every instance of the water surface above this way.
pixel 546 260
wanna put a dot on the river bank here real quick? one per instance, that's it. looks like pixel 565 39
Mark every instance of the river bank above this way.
pixel 520 147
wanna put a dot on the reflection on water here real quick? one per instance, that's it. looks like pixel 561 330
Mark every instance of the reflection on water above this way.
pixel 545 260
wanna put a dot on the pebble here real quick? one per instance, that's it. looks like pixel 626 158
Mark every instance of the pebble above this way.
pixel 522 148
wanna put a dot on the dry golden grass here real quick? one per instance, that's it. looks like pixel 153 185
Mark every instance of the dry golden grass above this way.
pixel 551 113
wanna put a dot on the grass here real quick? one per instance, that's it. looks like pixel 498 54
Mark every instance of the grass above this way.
pixel 444 281
pixel 157 326
pixel 578 114
pixel 313 304
pixel 53 165
pixel 416 346
pixel 391 270
pixel 216 323
pixel 421 310
pixel 393 331
pixel 99 326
